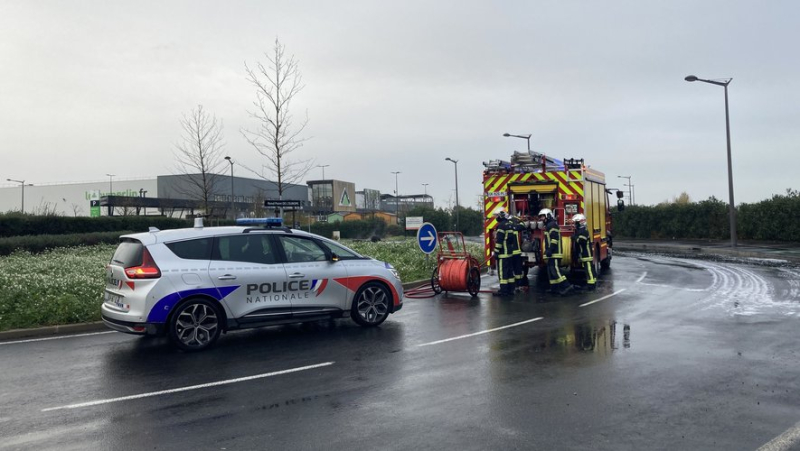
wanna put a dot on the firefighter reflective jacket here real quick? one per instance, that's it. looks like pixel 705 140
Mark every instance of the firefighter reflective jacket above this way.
pixel 506 242
pixel 553 237
pixel 518 227
pixel 584 244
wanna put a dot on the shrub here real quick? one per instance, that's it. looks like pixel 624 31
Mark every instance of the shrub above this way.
pixel 41 243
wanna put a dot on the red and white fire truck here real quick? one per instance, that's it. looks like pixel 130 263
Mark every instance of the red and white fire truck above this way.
pixel 532 181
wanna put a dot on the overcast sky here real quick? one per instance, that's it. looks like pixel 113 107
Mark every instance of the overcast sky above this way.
pixel 95 87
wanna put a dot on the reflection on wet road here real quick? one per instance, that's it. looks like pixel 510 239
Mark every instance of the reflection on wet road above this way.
pixel 666 354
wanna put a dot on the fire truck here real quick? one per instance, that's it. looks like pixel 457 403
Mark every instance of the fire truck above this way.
pixel 532 181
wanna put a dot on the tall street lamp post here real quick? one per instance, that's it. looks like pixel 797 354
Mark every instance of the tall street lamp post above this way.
pixel 323 166
pixel 110 191
pixel 630 195
pixel 526 137
pixel 732 207
pixel 396 196
pixel 455 162
pixel 233 210
pixel 22 185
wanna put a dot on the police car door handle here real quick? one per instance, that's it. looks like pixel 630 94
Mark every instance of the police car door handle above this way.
pixel 296 275
pixel 226 277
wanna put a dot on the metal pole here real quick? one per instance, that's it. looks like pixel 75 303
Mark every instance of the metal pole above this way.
pixel 456 166
pixel 396 197
pixel 732 206
pixel 110 192
pixel 730 171
pixel 22 203
pixel 233 208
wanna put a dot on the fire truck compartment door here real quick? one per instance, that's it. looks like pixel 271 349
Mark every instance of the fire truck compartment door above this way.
pixel 524 189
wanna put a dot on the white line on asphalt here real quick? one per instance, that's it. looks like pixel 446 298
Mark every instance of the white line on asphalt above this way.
pixel 603 298
pixel 641 278
pixel 481 332
pixel 192 387
pixel 56 338
pixel 785 441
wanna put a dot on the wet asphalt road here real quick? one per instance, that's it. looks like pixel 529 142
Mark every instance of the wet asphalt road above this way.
pixel 676 354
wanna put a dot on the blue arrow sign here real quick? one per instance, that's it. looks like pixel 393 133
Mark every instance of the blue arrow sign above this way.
pixel 427 238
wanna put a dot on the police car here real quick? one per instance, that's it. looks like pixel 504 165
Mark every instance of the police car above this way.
pixel 192 284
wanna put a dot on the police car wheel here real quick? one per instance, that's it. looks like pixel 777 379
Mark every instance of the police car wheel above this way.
pixel 195 325
pixel 371 304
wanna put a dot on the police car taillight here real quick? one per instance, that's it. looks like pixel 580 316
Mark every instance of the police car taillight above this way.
pixel 147 270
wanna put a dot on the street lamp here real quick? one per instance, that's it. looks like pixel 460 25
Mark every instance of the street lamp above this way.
pixel 396 195
pixel 22 185
pixel 526 137
pixel 110 191
pixel 630 195
pixel 323 166
pixel 455 162
pixel 425 185
pixel 233 209
pixel 732 208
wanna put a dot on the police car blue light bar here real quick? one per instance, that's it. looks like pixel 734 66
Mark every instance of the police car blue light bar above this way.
pixel 260 221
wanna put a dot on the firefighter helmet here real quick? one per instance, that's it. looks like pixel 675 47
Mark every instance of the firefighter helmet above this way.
pixel 579 219
pixel 546 213
pixel 499 213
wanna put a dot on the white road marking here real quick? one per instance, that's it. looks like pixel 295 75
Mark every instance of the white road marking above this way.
pixel 603 298
pixel 56 338
pixel 192 387
pixel 785 441
pixel 481 332
pixel 641 277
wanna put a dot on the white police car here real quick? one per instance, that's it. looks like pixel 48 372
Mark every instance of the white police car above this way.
pixel 194 283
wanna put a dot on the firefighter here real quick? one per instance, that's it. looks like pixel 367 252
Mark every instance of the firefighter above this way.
pixel 584 245
pixel 505 243
pixel 520 279
pixel 553 253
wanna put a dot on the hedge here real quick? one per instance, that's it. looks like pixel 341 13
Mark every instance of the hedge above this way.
pixel 41 243
pixel 16 224
pixel 775 219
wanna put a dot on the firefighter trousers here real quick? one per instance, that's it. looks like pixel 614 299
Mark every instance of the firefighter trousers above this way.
pixel 519 276
pixel 557 280
pixel 588 268
pixel 505 270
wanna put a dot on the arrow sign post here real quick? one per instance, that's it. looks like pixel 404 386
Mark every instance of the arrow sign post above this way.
pixel 427 237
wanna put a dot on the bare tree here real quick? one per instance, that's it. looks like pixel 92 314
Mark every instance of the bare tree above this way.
pixel 76 210
pixel 199 154
pixel 275 135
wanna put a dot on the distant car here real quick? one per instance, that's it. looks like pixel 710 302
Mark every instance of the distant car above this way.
pixel 192 284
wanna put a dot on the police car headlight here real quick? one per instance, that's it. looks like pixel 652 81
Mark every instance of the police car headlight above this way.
pixel 393 271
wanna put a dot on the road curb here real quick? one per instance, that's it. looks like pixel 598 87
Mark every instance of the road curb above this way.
pixel 66 329
pixel 700 251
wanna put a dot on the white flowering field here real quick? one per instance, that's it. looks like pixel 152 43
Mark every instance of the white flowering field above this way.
pixel 65 286
pixel 61 286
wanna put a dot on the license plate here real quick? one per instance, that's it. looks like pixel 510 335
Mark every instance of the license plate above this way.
pixel 116 301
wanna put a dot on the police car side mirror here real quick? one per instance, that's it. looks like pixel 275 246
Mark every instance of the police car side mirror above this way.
pixel 334 258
